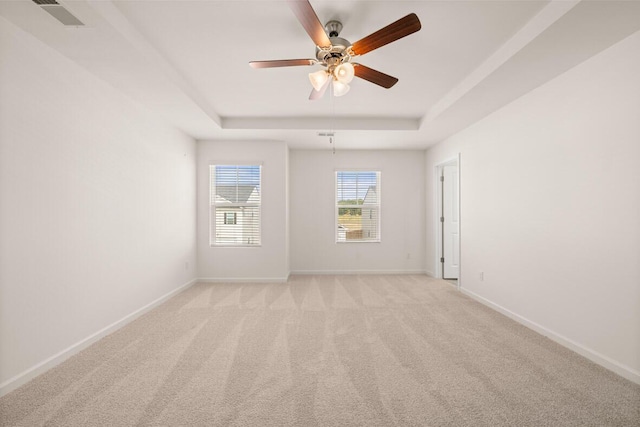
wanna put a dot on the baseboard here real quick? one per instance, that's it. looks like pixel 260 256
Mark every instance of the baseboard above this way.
pixel 26 376
pixel 243 279
pixel 594 356
pixel 351 272
pixel 429 273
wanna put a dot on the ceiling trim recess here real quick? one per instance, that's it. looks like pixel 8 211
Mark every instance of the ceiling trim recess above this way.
pixel 339 123
pixel 450 114
pixel 575 36
pixel 121 24
pixel 553 11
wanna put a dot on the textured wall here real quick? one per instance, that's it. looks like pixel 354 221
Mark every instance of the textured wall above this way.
pixel 312 183
pixel 550 207
pixel 97 217
pixel 268 261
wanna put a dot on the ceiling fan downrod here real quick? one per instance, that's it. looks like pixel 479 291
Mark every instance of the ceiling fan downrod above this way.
pixel 333 28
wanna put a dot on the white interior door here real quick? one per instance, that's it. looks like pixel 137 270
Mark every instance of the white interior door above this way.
pixel 450 223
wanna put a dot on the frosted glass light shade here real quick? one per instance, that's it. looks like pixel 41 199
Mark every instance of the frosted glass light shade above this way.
pixel 317 94
pixel 318 79
pixel 340 88
pixel 344 72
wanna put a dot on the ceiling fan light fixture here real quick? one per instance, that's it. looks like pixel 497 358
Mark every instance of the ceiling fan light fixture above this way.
pixel 334 53
pixel 344 72
pixel 317 94
pixel 340 88
pixel 318 79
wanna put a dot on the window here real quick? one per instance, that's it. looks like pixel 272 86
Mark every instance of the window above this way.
pixel 235 205
pixel 357 206
pixel 230 218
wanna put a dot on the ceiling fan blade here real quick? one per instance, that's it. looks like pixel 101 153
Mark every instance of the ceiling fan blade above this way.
pixel 376 77
pixel 309 20
pixel 282 63
pixel 392 32
pixel 317 94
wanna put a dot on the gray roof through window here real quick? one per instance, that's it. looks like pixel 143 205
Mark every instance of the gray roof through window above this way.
pixel 235 194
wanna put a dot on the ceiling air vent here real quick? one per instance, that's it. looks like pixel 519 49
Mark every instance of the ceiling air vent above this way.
pixel 56 10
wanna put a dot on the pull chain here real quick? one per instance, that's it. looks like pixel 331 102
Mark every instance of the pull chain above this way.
pixel 333 118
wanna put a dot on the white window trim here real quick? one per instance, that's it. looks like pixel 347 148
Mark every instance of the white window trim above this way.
pixel 211 203
pixel 378 172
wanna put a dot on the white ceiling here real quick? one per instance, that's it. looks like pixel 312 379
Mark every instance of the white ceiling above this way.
pixel 188 61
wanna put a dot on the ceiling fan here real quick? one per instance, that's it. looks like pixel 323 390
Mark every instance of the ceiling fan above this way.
pixel 337 55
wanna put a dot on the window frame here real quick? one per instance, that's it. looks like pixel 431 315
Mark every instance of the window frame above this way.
pixel 377 206
pixel 213 206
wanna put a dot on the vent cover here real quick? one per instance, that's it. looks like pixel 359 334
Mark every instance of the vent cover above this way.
pixel 53 8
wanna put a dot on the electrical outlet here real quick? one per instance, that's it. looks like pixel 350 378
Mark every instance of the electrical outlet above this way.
pixel 481 276
pixel 408 255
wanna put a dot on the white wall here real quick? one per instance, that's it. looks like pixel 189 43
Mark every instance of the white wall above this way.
pixel 550 208
pixel 97 213
pixel 312 186
pixel 268 262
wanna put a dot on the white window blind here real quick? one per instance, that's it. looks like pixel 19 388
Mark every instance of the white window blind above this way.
pixel 235 205
pixel 357 206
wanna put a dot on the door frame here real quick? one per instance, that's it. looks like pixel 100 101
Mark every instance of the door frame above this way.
pixel 438 226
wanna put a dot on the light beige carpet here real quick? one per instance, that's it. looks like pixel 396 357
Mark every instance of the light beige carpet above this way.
pixel 328 351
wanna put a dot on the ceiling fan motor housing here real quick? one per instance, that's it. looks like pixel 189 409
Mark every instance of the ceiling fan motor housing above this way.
pixel 336 54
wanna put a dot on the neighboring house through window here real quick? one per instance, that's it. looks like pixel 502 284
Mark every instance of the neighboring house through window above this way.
pixel 235 205
pixel 357 206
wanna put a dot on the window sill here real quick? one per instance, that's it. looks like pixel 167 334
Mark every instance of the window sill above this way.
pixel 235 246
